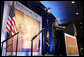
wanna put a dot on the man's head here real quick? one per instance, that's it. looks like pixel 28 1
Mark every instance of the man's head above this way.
pixel 57 20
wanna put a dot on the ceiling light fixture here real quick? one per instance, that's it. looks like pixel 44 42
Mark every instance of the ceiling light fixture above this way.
pixel 49 11
pixel 77 13
pixel 73 2
pixel 45 9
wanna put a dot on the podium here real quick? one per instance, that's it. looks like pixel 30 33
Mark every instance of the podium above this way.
pixel 71 45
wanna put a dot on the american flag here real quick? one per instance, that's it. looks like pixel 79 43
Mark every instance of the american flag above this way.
pixel 11 26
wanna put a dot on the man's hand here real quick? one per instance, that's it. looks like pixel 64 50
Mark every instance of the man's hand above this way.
pixel 63 27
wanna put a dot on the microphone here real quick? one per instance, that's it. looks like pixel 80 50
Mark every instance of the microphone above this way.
pixel 38 34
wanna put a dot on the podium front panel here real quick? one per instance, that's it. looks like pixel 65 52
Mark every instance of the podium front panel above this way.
pixel 71 45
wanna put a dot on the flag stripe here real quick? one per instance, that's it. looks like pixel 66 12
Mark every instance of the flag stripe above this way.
pixel 10 28
pixel 13 25
pixel 13 22
pixel 7 29
pixel 8 23
pixel 9 19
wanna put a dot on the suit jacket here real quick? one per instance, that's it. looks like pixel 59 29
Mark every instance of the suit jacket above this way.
pixel 55 28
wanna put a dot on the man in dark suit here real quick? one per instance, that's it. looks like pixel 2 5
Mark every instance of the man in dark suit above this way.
pixel 56 33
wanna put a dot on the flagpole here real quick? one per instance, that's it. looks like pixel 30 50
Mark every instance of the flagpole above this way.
pixel 12 39
pixel 13 2
pixel 6 47
pixel 12 47
pixel 17 45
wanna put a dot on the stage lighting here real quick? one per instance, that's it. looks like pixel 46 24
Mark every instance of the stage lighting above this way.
pixel 45 9
pixel 77 13
pixel 73 2
pixel 49 11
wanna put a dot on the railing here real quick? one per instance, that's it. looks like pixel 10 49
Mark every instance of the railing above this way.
pixel 34 38
pixel 8 39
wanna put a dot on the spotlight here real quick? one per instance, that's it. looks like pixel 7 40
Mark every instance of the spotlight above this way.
pixel 77 13
pixel 45 9
pixel 49 11
pixel 73 2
